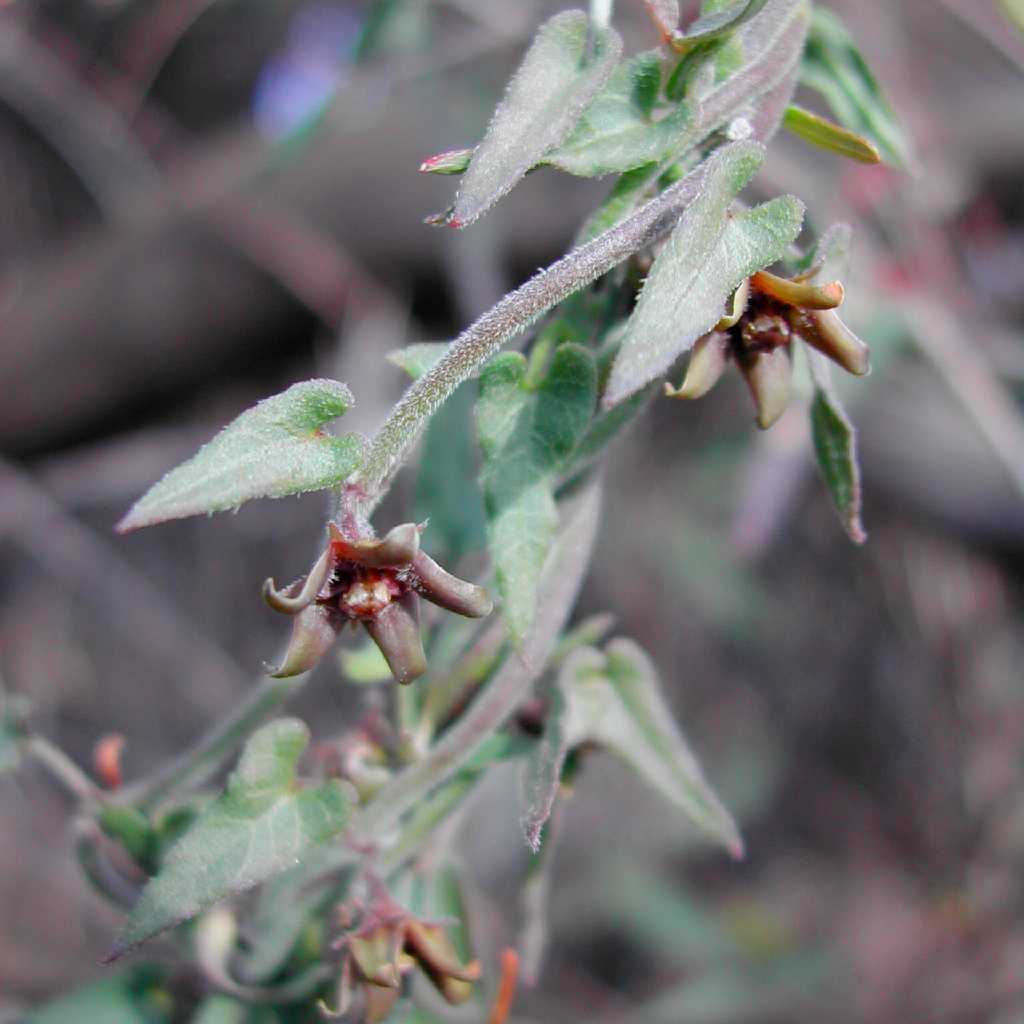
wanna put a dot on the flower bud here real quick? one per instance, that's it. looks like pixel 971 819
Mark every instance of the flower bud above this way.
pixel 799 293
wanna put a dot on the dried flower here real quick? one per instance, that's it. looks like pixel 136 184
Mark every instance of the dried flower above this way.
pixel 767 313
pixel 377 582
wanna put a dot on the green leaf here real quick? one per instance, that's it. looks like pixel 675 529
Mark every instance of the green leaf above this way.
pixel 526 435
pixel 616 132
pixel 716 21
pixel 447 494
pixel 820 131
pixel 835 444
pixel 614 699
pixel 418 358
pixel 274 449
pixel 834 67
pixel 704 261
pixel 454 161
pixel 543 102
pixel 133 831
pixel 130 997
pixel 260 826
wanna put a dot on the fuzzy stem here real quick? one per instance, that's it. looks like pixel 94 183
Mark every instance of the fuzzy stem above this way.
pixel 63 769
pixel 513 314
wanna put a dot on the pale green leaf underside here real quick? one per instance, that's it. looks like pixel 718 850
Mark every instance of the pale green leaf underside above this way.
pixel 260 826
pixel 705 259
pixel 543 102
pixel 614 699
pixel 525 436
pixel 274 449
pixel 616 132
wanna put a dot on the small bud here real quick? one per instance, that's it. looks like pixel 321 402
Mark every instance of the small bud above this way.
pixel 106 760
pixel 453 161
pixel 770 378
pixel 799 293
pixel 825 331
pixel 396 631
pixel 707 364
pixel 447 591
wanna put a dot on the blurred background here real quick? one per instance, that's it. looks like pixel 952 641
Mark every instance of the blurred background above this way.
pixel 201 203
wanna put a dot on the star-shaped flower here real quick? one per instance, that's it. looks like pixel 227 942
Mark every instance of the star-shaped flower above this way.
pixel 767 313
pixel 377 582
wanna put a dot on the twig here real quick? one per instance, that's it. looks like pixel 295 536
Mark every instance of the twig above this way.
pixel 62 768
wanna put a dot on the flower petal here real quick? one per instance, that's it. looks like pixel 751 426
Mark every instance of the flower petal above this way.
pixel 799 293
pixel 396 549
pixel 707 364
pixel 396 631
pixel 291 604
pixel 440 587
pixel 770 377
pixel 823 330
pixel 314 629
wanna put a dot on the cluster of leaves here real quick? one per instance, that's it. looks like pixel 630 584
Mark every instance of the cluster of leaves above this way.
pixel 684 127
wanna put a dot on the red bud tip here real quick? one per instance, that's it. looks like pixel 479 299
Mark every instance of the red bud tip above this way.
pixel 106 760
pixel 506 987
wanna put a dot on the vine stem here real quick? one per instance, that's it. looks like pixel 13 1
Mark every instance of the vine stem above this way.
pixel 500 697
pixel 512 315
pixel 63 769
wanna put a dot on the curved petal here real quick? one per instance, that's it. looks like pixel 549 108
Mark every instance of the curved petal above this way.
pixel 396 631
pixel 314 629
pixel 799 293
pixel 707 364
pixel 396 549
pixel 289 604
pixel 823 330
pixel 770 377
pixel 448 591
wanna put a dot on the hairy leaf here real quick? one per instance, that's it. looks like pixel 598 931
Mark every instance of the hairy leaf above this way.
pixel 259 827
pixel 834 67
pixel 704 261
pixel 616 132
pixel 614 699
pixel 820 131
pixel 526 434
pixel 543 102
pixel 274 449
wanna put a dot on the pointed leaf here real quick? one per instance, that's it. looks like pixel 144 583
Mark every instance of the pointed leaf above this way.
pixel 260 826
pixel 274 449
pixel 574 713
pixel 526 436
pixel 615 699
pixel 834 67
pixel 704 261
pixel 820 131
pixel 835 444
pixel 543 102
pixel 616 132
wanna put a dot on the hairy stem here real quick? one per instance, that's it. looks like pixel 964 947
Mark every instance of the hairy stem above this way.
pixel 63 769
pixel 513 314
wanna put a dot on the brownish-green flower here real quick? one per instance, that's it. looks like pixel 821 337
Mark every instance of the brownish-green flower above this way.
pixel 375 581
pixel 388 945
pixel 757 334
